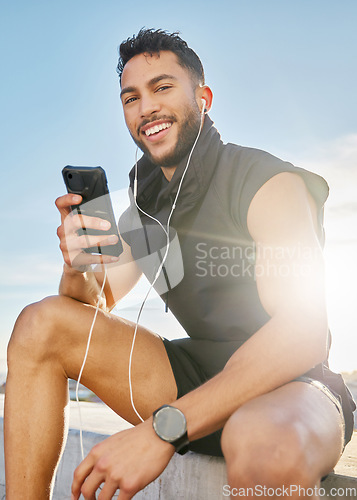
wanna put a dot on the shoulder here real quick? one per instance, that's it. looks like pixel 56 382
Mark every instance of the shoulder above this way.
pixel 282 207
pixel 248 168
pixel 243 171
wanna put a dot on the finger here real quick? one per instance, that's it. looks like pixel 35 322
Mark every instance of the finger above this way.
pixel 74 244
pixel 88 241
pixel 67 231
pixel 72 250
pixel 125 495
pixel 79 476
pixel 86 221
pixel 63 203
pixel 73 224
pixel 88 497
pixel 108 491
pixel 92 484
pixel 68 242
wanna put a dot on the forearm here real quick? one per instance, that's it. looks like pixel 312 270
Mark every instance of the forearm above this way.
pixel 83 287
pixel 279 352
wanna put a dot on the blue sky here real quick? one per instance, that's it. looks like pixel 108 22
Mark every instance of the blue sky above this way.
pixel 284 79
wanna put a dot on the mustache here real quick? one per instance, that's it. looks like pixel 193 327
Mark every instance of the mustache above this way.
pixel 155 118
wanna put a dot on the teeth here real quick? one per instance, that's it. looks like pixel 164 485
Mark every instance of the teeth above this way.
pixel 157 128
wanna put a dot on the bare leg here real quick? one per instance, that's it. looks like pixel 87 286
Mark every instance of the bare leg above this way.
pixel 290 437
pixel 47 348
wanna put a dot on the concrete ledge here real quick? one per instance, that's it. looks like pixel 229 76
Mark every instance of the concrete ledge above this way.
pixel 192 476
pixel 187 477
pixel 197 477
pixel 338 486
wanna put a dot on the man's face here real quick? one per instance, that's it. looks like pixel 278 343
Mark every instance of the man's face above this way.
pixel 160 107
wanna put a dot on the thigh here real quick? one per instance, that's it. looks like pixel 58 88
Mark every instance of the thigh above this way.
pixel 296 423
pixel 107 367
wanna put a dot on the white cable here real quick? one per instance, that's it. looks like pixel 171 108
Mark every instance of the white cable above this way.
pixel 136 190
pixel 85 359
pixel 166 231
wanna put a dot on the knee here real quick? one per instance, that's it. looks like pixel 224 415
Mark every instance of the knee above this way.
pixel 265 451
pixel 33 334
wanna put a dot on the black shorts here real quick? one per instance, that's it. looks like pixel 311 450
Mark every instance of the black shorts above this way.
pixel 194 362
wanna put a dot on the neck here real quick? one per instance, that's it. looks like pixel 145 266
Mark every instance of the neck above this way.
pixel 168 172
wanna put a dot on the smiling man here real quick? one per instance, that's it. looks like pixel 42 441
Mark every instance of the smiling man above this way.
pixel 164 137
pixel 251 382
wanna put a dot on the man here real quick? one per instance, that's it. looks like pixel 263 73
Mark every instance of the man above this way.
pixel 251 300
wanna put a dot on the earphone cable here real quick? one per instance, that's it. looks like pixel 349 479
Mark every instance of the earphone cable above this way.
pixel 166 231
pixel 85 359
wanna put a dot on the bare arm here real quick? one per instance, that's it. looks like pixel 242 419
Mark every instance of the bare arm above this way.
pixel 290 283
pixel 79 280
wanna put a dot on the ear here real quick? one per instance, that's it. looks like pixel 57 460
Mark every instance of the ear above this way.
pixel 204 93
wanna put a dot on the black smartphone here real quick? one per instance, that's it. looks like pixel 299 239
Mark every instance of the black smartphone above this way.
pixel 91 183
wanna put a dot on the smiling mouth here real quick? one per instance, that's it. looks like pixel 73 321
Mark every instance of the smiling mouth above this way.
pixel 157 128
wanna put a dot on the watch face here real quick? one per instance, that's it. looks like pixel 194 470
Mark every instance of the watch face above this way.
pixel 169 423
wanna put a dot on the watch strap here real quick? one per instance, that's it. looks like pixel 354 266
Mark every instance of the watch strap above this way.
pixel 181 444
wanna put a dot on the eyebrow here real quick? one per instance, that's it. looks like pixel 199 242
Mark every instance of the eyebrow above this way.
pixel 153 81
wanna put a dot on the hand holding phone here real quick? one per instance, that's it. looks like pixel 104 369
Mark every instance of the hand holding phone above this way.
pixel 88 232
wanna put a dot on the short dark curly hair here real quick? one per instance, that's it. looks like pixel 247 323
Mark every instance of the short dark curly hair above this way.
pixel 153 41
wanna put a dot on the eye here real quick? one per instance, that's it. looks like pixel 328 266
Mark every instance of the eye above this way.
pixel 163 87
pixel 130 100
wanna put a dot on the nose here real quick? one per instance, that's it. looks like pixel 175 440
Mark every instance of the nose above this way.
pixel 148 105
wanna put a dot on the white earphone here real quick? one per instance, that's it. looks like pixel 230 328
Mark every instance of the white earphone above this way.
pixel 204 104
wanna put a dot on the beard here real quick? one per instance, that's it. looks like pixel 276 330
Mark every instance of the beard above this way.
pixel 187 133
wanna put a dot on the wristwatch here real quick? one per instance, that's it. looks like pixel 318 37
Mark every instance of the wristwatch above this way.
pixel 169 423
